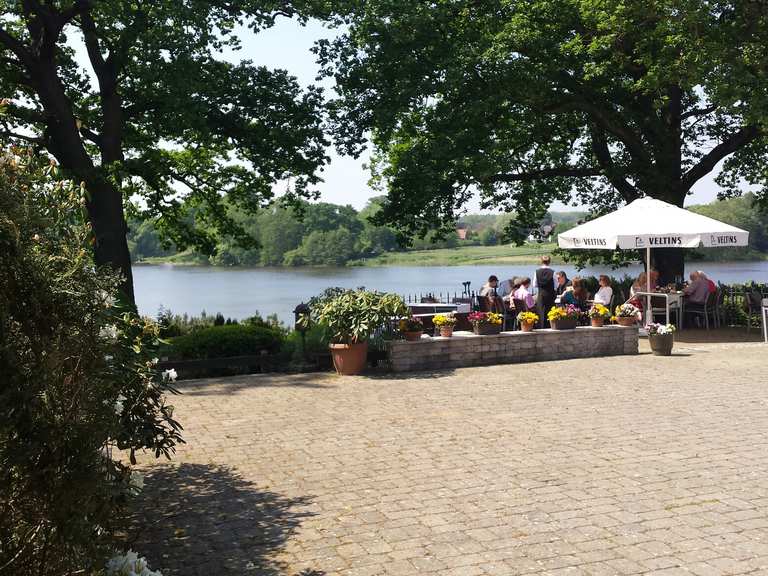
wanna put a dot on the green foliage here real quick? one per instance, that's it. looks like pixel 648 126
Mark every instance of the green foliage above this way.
pixel 78 381
pixel 333 248
pixel 150 108
pixel 353 316
pixel 489 237
pixel 222 341
pixel 742 213
pixel 531 102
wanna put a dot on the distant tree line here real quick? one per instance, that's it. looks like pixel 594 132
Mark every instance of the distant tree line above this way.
pixel 324 234
pixel 333 235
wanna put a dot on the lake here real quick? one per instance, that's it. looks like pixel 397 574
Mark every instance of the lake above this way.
pixel 241 292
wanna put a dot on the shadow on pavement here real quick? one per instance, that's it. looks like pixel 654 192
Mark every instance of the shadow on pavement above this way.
pixel 198 519
pixel 234 384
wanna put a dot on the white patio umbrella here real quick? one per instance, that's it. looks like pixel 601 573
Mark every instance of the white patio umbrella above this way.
pixel 647 223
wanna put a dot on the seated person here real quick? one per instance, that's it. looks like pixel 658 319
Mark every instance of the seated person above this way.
pixel 578 296
pixel 561 283
pixel 523 293
pixel 710 284
pixel 491 302
pixel 605 293
pixel 697 290
pixel 639 285
pixel 506 287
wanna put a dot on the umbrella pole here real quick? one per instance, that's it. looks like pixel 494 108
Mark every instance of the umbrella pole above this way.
pixel 649 311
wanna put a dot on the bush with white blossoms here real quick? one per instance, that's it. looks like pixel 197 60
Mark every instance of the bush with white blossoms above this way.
pixel 661 329
pixel 129 564
pixel 79 383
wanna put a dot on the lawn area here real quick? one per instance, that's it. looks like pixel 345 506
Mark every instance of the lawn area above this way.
pixel 463 255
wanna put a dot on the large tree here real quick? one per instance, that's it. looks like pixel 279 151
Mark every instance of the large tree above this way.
pixel 154 111
pixel 532 101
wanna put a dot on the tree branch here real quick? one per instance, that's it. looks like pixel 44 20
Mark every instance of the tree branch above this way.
pixel 16 47
pixel 741 137
pixel 31 139
pixel 698 112
pixel 91 39
pixel 603 155
pixel 543 174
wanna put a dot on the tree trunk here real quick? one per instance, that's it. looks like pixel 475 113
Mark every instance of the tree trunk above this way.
pixel 110 248
pixel 670 263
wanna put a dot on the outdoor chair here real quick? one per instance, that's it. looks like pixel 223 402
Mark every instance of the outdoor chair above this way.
pixel 754 308
pixel 517 307
pixel 719 306
pixel 705 310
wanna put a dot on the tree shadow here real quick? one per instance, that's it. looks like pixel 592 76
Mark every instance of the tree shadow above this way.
pixel 235 384
pixel 200 519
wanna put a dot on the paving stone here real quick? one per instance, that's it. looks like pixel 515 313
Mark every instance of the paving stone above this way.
pixel 601 466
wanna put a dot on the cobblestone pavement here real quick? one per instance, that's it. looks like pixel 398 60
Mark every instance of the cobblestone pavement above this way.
pixel 623 465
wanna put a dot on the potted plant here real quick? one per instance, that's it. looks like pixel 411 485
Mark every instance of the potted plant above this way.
pixel 412 328
pixel 598 314
pixel 445 322
pixel 564 317
pixel 627 314
pixel 661 338
pixel 527 320
pixel 485 323
pixel 351 318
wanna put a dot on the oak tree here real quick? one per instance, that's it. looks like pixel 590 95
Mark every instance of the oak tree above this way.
pixel 153 118
pixel 531 101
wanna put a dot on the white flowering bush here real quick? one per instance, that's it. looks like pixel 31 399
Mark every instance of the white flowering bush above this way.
pixel 129 564
pixel 78 382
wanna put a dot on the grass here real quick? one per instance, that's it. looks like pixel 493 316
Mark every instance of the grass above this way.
pixel 461 256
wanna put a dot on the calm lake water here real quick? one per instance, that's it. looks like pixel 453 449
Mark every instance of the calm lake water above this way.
pixel 240 292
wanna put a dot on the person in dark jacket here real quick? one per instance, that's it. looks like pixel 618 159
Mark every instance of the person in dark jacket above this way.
pixel 561 283
pixel 545 283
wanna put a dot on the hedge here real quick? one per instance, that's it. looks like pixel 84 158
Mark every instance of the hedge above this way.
pixel 224 341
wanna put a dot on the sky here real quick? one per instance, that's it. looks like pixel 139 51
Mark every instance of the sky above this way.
pixel 345 180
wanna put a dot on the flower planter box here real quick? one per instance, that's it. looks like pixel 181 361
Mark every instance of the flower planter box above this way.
pixel 487 329
pixel 527 326
pixel 446 331
pixel 564 324
pixel 626 320
pixel 661 344
pixel 413 336
pixel 597 322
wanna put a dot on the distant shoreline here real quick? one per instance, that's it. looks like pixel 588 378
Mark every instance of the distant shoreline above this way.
pixel 459 256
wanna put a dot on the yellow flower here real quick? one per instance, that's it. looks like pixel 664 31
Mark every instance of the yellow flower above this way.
pixel 494 318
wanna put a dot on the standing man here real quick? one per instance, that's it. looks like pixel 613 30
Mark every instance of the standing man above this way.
pixel 544 284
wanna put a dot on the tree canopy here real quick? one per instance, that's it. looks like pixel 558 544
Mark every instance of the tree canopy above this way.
pixel 156 112
pixel 532 101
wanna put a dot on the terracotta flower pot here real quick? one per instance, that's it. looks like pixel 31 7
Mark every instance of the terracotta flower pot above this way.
pixel 487 329
pixel 661 344
pixel 564 324
pixel 626 320
pixel 413 336
pixel 349 359
pixel 597 322
pixel 527 326
pixel 446 331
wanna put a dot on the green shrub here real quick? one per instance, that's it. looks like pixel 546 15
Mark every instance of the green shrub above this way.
pixel 78 386
pixel 225 341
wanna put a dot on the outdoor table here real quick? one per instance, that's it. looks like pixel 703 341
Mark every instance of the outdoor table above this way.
pixel 765 319
pixel 671 300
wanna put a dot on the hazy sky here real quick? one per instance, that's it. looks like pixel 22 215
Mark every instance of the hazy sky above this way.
pixel 287 45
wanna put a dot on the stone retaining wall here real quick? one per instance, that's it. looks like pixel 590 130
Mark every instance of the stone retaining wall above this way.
pixel 468 349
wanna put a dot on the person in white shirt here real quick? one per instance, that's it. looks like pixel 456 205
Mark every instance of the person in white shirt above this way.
pixel 605 292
